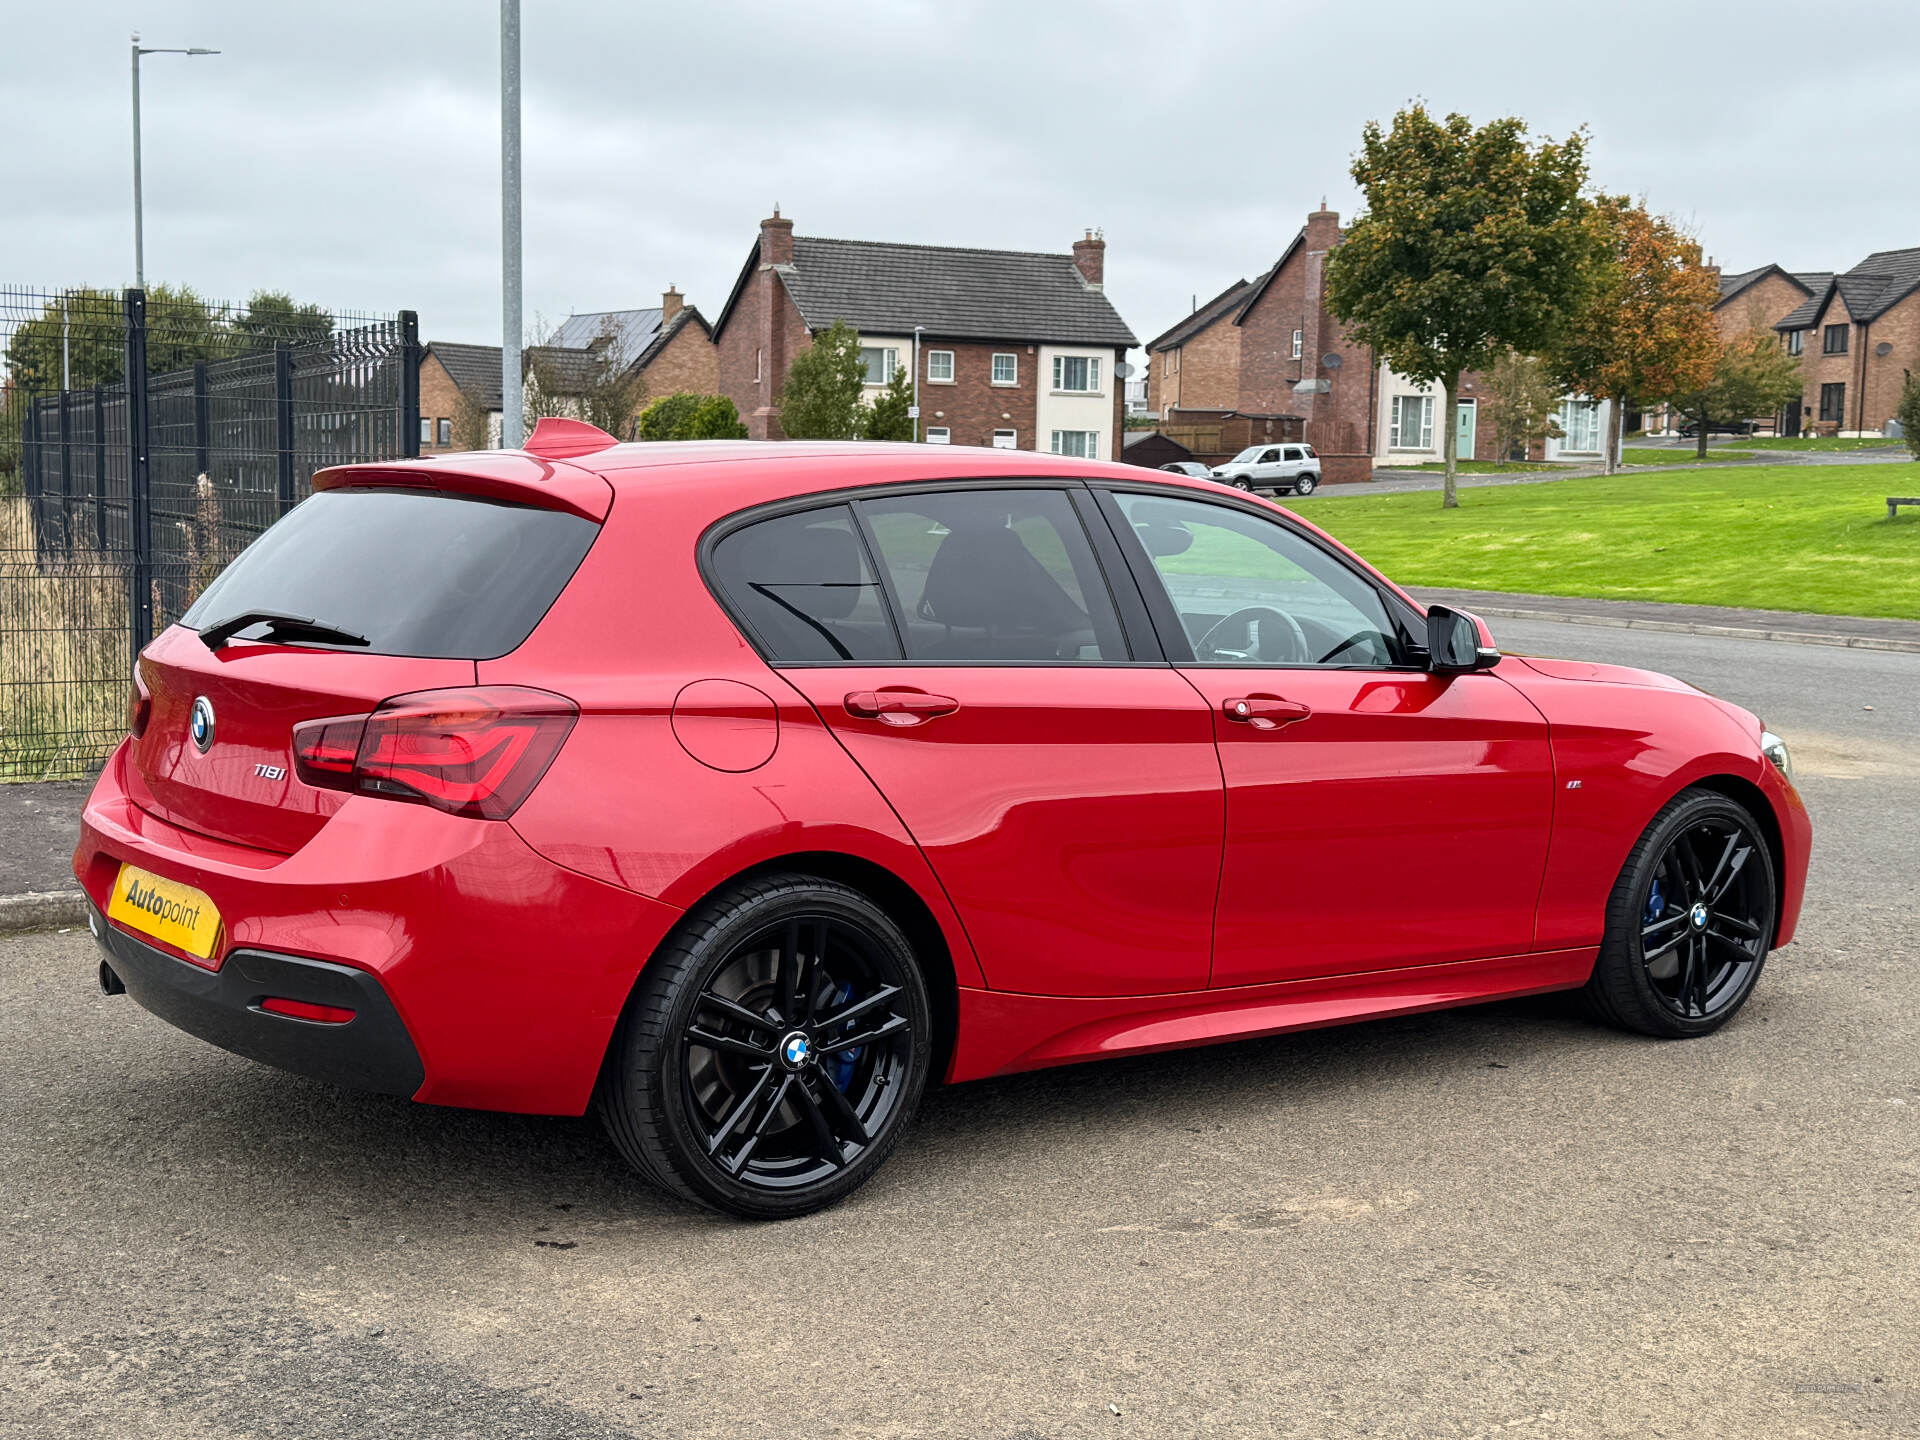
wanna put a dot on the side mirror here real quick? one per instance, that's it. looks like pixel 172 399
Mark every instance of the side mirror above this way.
pixel 1458 643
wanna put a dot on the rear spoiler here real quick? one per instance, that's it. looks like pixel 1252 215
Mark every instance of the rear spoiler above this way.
pixel 509 475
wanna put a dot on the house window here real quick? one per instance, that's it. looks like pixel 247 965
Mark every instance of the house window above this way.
pixel 1080 444
pixel 1006 369
pixel 756 365
pixel 1834 340
pixel 1411 423
pixel 940 366
pixel 446 431
pixel 1833 402
pixel 1297 337
pixel 1796 341
pixel 939 435
pixel 879 362
pixel 1580 419
pixel 1078 373
pixel 1006 439
pixel 426 430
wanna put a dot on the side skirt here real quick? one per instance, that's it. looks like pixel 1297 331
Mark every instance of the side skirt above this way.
pixel 1003 1033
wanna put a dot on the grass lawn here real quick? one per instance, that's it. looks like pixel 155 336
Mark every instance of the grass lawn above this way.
pixel 1778 537
pixel 1474 467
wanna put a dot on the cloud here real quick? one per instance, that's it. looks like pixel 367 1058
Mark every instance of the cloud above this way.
pixel 349 153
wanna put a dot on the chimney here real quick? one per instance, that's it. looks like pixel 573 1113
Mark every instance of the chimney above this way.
pixel 1323 228
pixel 670 305
pixel 1090 255
pixel 776 240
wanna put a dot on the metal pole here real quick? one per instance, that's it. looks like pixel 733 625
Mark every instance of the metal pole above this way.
pixel 916 382
pixel 139 240
pixel 139 476
pixel 512 419
pixel 409 416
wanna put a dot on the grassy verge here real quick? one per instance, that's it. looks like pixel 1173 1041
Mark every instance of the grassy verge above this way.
pixel 1815 443
pixel 1633 456
pixel 1473 467
pixel 1777 537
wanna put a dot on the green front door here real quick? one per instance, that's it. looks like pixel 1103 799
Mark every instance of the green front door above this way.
pixel 1464 428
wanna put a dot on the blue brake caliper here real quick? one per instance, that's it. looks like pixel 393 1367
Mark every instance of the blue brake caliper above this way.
pixel 841 1068
pixel 1656 902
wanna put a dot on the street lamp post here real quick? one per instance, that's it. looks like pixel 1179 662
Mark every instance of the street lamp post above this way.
pixel 512 393
pixel 139 240
pixel 918 330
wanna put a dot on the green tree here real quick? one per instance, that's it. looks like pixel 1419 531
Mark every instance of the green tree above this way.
pixel 821 397
pixel 887 417
pixel 1752 375
pixel 1908 414
pixel 1645 330
pixel 1522 403
pixel 272 316
pixel 668 417
pixel 715 418
pixel 181 328
pixel 81 333
pixel 1473 242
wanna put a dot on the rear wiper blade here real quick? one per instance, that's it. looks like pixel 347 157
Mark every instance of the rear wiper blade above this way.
pixel 281 625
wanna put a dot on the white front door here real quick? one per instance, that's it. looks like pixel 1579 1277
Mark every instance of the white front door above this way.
pixel 1464 428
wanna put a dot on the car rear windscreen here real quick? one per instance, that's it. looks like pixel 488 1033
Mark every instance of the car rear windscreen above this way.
pixel 418 573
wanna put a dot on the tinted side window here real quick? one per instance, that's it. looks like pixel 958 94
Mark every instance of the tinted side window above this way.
pixel 1249 591
pixel 804 588
pixel 411 571
pixel 994 576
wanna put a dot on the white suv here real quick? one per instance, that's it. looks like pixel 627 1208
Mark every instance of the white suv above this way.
pixel 1281 468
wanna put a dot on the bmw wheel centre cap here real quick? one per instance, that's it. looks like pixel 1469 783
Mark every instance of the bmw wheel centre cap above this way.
pixel 796 1050
pixel 1698 917
pixel 200 725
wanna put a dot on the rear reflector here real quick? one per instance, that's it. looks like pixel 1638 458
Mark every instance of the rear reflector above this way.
pixel 306 1010
pixel 477 752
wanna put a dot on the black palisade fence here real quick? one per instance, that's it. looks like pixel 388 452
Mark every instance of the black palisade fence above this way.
pixel 146 438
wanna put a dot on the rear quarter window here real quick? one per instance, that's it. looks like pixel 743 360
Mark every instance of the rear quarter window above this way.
pixel 418 573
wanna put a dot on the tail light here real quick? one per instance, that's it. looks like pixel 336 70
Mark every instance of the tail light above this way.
pixel 475 752
pixel 139 704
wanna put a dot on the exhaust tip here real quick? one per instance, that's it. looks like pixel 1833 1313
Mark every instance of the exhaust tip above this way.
pixel 110 982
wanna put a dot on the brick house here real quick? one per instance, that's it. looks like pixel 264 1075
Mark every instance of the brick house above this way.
pixel 1012 349
pixel 1858 336
pixel 665 350
pixel 1749 299
pixel 1195 365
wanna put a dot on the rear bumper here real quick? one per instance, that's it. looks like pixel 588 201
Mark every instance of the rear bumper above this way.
pixel 371 1052
pixel 503 974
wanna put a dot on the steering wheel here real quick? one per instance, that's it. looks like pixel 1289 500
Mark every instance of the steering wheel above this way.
pixel 1252 623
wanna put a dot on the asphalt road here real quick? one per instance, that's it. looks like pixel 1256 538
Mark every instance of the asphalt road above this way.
pixel 1492 1221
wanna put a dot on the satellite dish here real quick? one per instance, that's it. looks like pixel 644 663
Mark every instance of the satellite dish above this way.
pixel 1123 370
pixel 1885 347
pixel 1331 360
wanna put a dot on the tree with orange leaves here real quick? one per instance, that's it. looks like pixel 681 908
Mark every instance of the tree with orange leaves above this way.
pixel 1646 330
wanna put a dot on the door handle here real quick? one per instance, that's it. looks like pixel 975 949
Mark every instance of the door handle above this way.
pixel 898 707
pixel 1264 712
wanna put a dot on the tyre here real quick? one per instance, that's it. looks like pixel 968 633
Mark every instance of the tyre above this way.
pixel 1689 922
pixel 773 1051
pixel 1242 482
pixel 1306 484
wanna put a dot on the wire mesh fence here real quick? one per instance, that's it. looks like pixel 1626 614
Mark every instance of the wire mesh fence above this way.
pixel 145 439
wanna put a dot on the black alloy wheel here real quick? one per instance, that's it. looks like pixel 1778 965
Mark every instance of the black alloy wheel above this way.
pixel 1690 921
pixel 773 1051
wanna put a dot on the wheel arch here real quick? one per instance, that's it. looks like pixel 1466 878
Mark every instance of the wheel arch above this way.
pixel 1754 801
pixel 903 903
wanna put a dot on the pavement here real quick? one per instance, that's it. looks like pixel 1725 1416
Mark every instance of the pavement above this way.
pixel 1495 1221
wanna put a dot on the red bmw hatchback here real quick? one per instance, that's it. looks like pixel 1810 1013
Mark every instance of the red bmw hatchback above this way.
pixel 737 791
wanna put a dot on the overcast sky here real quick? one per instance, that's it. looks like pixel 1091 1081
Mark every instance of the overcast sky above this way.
pixel 348 152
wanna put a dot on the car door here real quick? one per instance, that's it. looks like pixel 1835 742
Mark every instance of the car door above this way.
pixel 965 647
pixel 1271 468
pixel 1292 463
pixel 1378 816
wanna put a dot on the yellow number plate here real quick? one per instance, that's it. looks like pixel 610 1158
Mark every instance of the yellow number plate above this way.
pixel 165 909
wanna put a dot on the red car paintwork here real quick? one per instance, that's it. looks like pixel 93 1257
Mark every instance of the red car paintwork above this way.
pixel 1093 859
